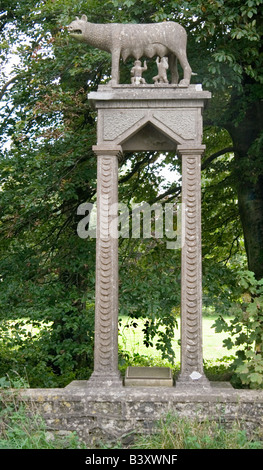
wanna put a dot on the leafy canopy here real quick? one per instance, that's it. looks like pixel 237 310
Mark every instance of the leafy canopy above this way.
pixel 47 169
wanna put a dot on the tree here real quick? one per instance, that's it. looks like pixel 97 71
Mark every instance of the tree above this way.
pixel 47 272
pixel 231 34
pixel 227 36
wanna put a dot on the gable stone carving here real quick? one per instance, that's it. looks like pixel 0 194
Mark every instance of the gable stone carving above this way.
pixel 180 121
pixel 116 122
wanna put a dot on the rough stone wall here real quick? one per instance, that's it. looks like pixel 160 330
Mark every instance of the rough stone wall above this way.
pixel 114 414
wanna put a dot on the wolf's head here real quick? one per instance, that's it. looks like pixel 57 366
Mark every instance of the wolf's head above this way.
pixel 77 27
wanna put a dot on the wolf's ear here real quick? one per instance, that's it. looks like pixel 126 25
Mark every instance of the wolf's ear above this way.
pixel 84 18
pixel 77 18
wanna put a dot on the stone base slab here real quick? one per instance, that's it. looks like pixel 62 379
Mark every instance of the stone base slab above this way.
pixel 195 381
pixel 99 380
pixel 113 413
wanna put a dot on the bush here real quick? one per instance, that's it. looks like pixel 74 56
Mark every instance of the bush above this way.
pixel 49 354
pixel 246 331
pixel 219 369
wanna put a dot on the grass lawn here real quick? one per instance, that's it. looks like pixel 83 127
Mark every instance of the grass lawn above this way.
pixel 131 339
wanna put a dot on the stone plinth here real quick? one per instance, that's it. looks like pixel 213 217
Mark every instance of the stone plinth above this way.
pixel 149 117
pixel 148 377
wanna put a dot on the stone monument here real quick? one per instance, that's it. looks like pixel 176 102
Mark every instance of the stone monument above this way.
pixel 142 117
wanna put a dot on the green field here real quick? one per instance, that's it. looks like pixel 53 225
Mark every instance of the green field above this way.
pixel 131 339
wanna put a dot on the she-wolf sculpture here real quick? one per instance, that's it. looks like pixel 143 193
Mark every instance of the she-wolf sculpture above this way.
pixel 136 40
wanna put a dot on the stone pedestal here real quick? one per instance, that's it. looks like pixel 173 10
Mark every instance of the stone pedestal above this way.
pixel 143 118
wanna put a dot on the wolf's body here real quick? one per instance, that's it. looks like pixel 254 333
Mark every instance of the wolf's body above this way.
pixel 136 40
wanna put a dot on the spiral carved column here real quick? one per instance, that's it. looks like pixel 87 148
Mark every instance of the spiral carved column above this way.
pixel 106 308
pixel 191 271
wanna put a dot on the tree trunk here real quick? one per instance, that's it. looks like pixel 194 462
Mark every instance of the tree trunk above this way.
pixel 250 201
pixel 250 183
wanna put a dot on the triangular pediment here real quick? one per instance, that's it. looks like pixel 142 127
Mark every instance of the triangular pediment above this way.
pixel 147 138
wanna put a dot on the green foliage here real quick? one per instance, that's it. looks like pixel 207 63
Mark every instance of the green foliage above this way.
pixel 47 168
pixel 21 427
pixel 140 297
pixel 220 369
pixel 245 329
pixel 250 371
pixel 55 353
pixel 175 432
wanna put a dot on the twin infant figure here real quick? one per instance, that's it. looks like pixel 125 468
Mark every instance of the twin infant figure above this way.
pixel 138 70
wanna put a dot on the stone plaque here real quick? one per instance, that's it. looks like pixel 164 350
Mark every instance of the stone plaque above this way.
pixel 148 377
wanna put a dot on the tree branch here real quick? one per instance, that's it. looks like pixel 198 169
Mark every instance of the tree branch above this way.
pixel 216 155
pixel 134 170
pixel 6 85
pixel 236 239
pixel 175 191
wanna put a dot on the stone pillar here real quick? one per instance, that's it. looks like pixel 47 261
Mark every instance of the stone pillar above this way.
pixel 191 270
pixel 106 310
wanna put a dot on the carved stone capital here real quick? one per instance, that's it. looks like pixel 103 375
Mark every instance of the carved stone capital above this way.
pixel 107 149
pixel 185 150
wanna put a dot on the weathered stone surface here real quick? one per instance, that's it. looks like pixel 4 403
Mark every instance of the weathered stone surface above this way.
pixel 137 71
pixel 116 122
pixel 113 413
pixel 174 114
pixel 162 66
